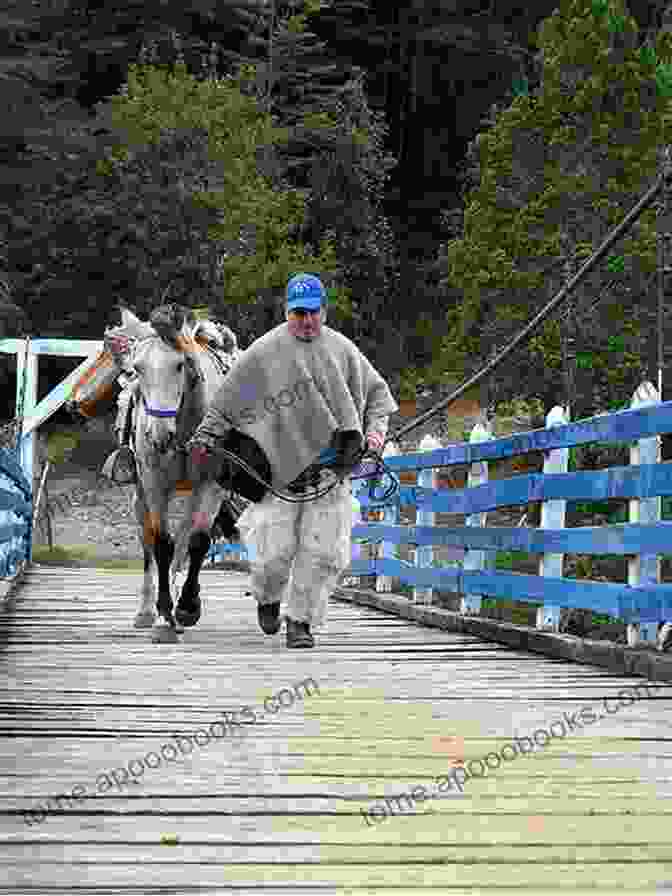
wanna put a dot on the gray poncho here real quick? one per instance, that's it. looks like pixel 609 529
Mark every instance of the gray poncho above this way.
pixel 292 396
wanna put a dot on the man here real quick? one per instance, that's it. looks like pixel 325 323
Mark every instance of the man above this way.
pixel 300 390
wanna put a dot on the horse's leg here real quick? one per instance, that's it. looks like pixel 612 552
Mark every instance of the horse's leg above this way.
pixel 205 503
pixel 146 615
pixel 181 543
pixel 157 533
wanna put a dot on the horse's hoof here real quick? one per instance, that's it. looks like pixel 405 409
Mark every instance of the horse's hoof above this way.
pixel 144 619
pixel 164 632
pixel 188 609
pixel 184 618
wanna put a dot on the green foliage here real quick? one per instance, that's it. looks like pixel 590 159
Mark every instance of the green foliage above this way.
pixel 602 508
pixel 61 444
pixel 555 170
pixel 666 511
pixel 408 383
pixel 254 219
pixel 335 152
pixel 520 409
pixel 177 207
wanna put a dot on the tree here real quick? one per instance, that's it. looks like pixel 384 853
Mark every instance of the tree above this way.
pixel 176 206
pixel 253 220
pixel 557 170
pixel 335 150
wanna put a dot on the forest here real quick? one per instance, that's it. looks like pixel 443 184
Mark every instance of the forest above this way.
pixel 445 166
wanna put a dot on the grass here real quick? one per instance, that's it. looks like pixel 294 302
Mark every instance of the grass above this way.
pixel 509 559
pixel 61 444
pixel 80 555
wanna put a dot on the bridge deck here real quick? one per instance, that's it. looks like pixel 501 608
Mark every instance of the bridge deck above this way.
pixel 284 804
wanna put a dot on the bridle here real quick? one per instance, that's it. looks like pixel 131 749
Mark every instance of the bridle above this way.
pixel 194 375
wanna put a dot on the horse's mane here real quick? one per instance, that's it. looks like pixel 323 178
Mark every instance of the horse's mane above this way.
pixel 167 322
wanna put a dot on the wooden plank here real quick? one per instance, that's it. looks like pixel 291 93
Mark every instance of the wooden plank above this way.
pixel 620 426
pixel 11 346
pixel 617 539
pixel 288 803
pixel 143 849
pixel 56 398
pixel 469 830
pixel 645 602
pixel 644 481
pixel 132 876
pixel 75 348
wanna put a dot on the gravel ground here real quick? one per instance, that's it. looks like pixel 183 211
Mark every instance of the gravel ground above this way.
pixel 88 510
pixel 98 515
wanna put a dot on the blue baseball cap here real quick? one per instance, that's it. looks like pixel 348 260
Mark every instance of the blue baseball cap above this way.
pixel 305 291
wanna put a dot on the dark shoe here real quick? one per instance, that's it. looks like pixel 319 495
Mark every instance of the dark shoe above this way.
pixel 188 609
pixel 269 618
pixel 298 634
pixel 664 637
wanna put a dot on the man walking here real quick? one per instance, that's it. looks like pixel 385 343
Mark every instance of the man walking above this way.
pixel 299 390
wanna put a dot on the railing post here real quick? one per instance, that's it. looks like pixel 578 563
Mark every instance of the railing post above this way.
pixel 26 366
pixel 644 569
pixel 424 554
pixel 391 518
pixel 553 513
pixel 356 544
pixel 470 604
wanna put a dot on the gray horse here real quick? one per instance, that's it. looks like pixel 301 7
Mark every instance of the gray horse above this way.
pixel 176 380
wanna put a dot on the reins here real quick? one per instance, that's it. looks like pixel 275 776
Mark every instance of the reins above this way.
pixel 365 461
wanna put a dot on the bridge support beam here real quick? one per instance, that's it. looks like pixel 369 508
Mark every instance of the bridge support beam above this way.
pixel 553 517
pixel 391 518
pixel 644 569
pixel 424 554
pixel 470 604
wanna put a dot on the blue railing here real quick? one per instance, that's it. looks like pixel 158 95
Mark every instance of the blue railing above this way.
pixel 225 550
pixel 472 573
pixel 15 515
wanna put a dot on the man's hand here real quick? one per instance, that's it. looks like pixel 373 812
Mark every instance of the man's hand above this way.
pixel 200 454
pixel 117 344
pixel 348 445
pixel 375 442
pixel 204 464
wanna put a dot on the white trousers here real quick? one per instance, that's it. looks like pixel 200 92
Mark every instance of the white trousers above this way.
pixel 299 550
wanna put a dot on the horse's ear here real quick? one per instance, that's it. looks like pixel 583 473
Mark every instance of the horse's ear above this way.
pixel 190 323
pixel 129 321
pixel 187 334
pixel 134 327
pixel 128 318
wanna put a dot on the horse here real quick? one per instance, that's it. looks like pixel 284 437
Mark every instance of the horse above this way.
pixel 176 379
pixel 98 387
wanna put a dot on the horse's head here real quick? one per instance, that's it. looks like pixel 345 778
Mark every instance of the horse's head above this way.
pixel 97 387
pixel 166 371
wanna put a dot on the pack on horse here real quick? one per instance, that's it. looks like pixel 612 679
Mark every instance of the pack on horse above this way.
pixel 171 378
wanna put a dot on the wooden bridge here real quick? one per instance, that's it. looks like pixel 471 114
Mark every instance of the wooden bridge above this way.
pixel 415 748
pixel 118 773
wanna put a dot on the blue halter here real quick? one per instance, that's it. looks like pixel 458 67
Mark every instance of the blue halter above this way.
pixel 157 412
pixel 194 372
